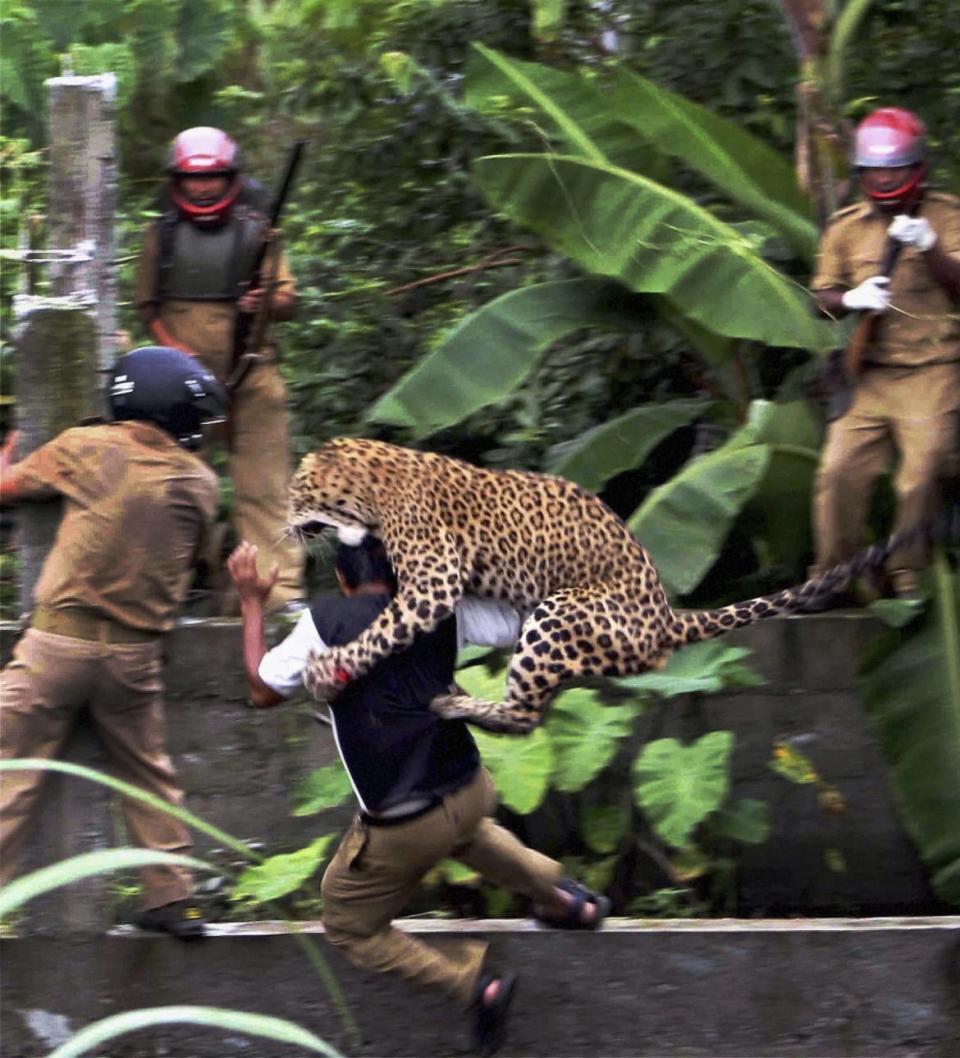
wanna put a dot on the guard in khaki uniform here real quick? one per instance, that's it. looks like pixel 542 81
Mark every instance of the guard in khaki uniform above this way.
pixel 906 397
pixel 423 794
pixel 137 504
pixel 192 282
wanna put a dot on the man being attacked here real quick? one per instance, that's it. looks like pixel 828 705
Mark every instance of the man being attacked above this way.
pixel 423 793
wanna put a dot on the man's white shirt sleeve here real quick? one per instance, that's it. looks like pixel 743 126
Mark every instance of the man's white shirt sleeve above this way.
pixel 482 622
pixel 486 622
pixel 282 668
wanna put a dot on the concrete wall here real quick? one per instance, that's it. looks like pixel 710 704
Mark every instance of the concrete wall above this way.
pixel 865 989
pixel 239 767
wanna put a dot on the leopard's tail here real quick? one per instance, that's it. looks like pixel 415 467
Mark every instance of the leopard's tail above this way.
pixel 690 626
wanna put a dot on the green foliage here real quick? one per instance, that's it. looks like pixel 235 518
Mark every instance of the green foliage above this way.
pixel 282 874
pixel 679 786
pixel 620 224
pixel 16 893
pixel 684 522
pixel 622 444
pixel 488 355
pixel 591 116
pixel 682 791
pixel 196 823
pixel 323 788
pixel 584 734
pixel 700 668
pixel 231 1021
pixel 521 767
pixel 911 684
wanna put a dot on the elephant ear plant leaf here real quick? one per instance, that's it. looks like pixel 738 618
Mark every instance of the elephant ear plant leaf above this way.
pixel 678 786
pixel 911 684
pixel 282 874
pixel 520 767
pixel 585 734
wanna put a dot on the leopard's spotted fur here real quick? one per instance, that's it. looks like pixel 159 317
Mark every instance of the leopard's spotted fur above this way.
pixel 591 598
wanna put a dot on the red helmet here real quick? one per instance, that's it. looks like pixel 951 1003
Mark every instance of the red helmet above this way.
pixel 204 151
pixel 892 138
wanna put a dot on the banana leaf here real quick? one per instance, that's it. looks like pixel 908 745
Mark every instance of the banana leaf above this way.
pixel 737 163
pixel 278 1029
pixel 684 522
pixel 620 224
pixel 561 107
pixel 779 513
pixel 488 355
pixel 621 444
pixel 609 120
pixel 910 678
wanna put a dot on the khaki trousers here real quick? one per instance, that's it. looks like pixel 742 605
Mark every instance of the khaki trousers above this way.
pixel 909 413
pixel 41 691
pixel 260 469
pixel 376 870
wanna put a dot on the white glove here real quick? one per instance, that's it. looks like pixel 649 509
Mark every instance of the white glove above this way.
pixel 912 231
pixel 873 295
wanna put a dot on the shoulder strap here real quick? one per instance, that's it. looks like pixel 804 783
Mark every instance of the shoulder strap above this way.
pixel 166 226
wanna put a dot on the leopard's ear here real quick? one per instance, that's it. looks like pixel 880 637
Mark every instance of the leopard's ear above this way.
pixel 351 535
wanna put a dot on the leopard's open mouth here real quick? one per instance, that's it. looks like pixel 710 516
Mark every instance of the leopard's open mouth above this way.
pixel 311 530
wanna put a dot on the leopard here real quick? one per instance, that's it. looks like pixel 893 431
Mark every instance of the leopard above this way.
pixel 588 594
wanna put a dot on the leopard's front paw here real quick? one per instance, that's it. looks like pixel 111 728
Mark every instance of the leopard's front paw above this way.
pixel 324 677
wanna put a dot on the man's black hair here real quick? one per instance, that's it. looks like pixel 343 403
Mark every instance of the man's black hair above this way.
pixel 366 563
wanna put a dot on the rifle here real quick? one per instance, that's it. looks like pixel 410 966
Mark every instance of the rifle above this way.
pixel 249 331
pixel 866 327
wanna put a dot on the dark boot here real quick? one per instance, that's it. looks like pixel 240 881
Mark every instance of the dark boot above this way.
pixel 182 918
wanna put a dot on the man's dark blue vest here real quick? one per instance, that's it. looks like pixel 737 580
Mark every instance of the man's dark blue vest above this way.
pixel 394 748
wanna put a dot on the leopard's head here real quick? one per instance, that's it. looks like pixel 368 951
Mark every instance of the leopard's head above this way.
pixel 334 487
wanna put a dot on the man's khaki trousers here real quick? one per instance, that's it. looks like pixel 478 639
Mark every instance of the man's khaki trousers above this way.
pixel 260 469
pixel 908 413
pixel 41 691
pixel 376 870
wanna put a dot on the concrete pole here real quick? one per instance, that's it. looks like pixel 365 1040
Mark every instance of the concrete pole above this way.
pixel 65 339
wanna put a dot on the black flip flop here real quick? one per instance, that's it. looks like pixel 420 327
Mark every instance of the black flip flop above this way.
pixel 489 1029
pixel 574 917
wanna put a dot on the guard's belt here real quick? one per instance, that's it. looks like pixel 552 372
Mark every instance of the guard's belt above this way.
pixel 81 624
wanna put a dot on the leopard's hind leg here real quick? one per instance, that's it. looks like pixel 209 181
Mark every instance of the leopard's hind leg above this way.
pixel 575 633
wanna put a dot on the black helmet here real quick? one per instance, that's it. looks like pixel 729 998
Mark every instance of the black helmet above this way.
pixel 168 388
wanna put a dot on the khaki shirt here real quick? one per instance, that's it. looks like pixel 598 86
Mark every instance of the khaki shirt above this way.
pixel 922 326
pixel 206 327
pixel 136 508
